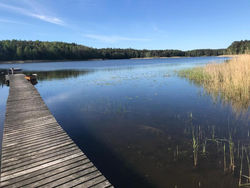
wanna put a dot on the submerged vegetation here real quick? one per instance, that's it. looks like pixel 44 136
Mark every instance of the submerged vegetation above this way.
pixel 37 50
pixel 229 81
pixel 233 160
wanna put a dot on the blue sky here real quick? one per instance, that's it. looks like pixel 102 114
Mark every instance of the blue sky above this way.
pixel 140 24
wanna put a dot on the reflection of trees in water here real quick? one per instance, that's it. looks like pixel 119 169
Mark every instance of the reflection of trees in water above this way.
pixel 2 80
pixel 2 77
pixel 57 74
pixel 48 75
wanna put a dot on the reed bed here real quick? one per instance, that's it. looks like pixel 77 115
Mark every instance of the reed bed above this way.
pixel 229 81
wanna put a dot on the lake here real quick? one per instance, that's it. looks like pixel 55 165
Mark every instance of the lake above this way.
pixel 141 124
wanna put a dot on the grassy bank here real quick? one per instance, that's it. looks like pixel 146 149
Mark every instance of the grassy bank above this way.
pixel 230 80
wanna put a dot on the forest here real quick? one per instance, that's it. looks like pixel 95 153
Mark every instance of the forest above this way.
pixel 39 50
pixel 239 47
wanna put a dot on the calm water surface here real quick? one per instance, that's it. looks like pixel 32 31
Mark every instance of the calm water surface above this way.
pixel 133 120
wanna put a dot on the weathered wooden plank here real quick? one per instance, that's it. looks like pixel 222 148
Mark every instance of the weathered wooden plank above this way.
pixel 75 179
pixel 62 173
pixel 37 164
pixel 25 116
pixel 31 161
pixel 19 141
pixel 41 174
pixel 29 147
pixel 92 182
pixel 5 177
pixel 34 137
pixel 27 157
pixel 102 184
pixel 36 151
pixel 36 126
pixel 29 121
pixel 14 135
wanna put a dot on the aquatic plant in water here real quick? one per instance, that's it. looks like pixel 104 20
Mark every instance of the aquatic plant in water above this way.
pixel 229 81
pixel 195 139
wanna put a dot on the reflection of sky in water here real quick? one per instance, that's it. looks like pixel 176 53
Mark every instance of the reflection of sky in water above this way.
pixel 137 110
pixel 3 98
pixel 111 64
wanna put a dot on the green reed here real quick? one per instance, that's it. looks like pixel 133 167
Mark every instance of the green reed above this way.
pixel 231 153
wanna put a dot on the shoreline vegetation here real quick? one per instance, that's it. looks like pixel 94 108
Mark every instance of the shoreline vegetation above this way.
pixel 228 81
pixel 45 61
pixel 18 51
pixel 68 60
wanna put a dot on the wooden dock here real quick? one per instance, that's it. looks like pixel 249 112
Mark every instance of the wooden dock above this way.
pixel 36 151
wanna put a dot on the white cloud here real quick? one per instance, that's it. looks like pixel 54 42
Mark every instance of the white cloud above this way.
pixel 29 13
pixel 112 39
pixel 49 19
pixel 57 98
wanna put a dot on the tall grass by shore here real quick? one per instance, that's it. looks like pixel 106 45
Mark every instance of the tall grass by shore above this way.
pixel 229 80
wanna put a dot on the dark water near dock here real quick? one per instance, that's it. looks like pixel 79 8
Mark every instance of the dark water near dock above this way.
pixel 142 125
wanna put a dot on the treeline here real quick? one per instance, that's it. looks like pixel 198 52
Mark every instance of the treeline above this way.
pixel 239 47
pixel 38 50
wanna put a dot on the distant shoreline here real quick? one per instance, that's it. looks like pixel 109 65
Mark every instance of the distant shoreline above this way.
pixel 230 55
pixel 44 61
pixel 68 60
pixel 156 57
